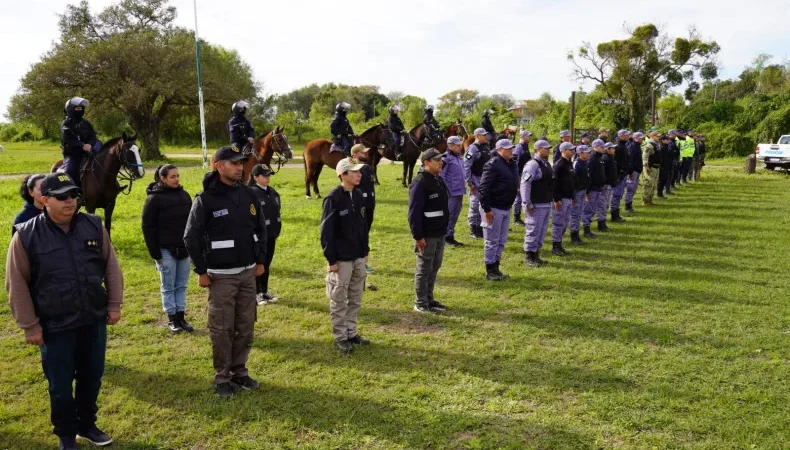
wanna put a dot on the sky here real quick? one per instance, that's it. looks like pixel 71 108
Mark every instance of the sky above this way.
pixel 423 48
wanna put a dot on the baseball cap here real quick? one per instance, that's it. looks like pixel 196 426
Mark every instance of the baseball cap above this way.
pixel 359 148
pixel 504 143
pixel 542 144
pixel 57 183
pixel 431 153
pixel 639 135
pixel 610 145
pixel 601 130
pixel 346 164
pixel 565 133
pixel 598 143
pixel 454 140
pixel 582 149
pixel 228 153
pixel 262 169
pixel 584 135
pixel 524 133
pixel 680 131
pixel 480 131
pixel 566 146
pixel 623 133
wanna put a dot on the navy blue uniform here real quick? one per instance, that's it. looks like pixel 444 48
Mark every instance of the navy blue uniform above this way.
pixel 240 129
pixel 341 132
pixel 74 133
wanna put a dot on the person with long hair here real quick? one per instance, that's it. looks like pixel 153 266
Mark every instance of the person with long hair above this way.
pixel 30 191
pixel 165 215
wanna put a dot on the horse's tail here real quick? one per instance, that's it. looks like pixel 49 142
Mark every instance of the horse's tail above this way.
pixel 56 166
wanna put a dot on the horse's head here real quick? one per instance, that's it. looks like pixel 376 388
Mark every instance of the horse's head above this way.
pixel 279 142
pixel 129 154
pixel 461 129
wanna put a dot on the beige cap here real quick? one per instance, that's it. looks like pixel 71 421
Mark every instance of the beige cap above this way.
pixel 359 148
pixel 346 164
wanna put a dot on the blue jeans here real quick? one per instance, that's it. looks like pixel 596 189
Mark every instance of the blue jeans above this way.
pixel 174 275
pixel 74 355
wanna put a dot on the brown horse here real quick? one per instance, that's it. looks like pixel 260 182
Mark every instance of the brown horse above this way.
pixel 509 132
pixel 263 151
pixel 317 155
pixel 100 174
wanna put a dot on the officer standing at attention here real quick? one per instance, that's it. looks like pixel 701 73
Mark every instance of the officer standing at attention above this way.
pixel 428 218
pixel 674 154
pixel 699 159
pixel 226 239
pixel 610 165
pixel 57 268
pixel 563 190
pixel 521 155
pixel 565 136
pixel 344 239
pixel 686 146
pixel 603 134
pixel 651 159
pixel 240 128
pixel 270 206
pixel 581 183
pixel 498 187
pixel 477 154
pixel 593 204
pixel 453 175
pixel 635 149
pixel 666 166
pixel 536 181
pixel 623 170
pixel 367 186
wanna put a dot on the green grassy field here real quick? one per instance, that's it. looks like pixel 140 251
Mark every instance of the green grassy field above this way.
pixel 670 332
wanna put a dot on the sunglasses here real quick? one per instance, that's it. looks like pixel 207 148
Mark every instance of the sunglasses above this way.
pixel 65 195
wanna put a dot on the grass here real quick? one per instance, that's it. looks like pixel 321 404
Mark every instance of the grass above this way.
pixel 671 332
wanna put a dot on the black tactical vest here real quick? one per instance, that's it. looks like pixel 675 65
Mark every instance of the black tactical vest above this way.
pixel 231 219
pixel 541 189
pixel 436 214
pixel 485 155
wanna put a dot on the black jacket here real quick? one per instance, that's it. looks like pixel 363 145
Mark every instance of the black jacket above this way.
pixel 226 228
pixel 394 123
pixel 165 215
pixel 239 130
pixel 487 125
pixel 635 156
pixel 563 186
pixel 429 211
pixel 74 133
pixel 28 212
pixel 581 175
pixel 367 186
pixel 611 170
pixel 597 170
pixel 666 160
pixel 344 229
pixel 674 150
pixel 270 205
pixel 428 119
pixel 622 160
pixel 340 125
pixel 499 184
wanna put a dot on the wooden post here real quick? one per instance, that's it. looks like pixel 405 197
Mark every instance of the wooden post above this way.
pixel 573 115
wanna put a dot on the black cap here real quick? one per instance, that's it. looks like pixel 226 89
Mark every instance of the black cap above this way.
pixel 431 153
pixel 57 183
pixel 663 137
pixel 261 169
pixel 229 154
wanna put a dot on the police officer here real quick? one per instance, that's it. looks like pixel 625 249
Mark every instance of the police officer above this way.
pixel 344 239
pixel 431 126
pixel 686 147
pixel 240 128
pixel 226 239
pixel 64 287
pixel 565 136
pixel 635 149
pixel 563 190
pixel 77 137
pixel 476 156
pixel 581 183
pixel 623 170
pixel 612 180
pixel 485 123
pixel 269 200
pixel 367 186
pixel 453 175
pixel 603 134
pixel 699 159
pixel 593 202
pixel 536 182
pixel 342 133
pixel 651 159
pixel 498 187
pixel 584 139
pixel 396 127
pixel 666 166
pixel 428 219
pixel 674 156
pixel 521 155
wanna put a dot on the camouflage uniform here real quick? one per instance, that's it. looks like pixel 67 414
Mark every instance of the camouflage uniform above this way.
pixel 650 173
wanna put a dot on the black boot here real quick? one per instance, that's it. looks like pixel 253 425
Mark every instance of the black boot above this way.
pixel 589 234
pixel 555 249
pixel 479 231
pixel 602 227
pixel 499 272
pixel 629 207
pixel 661 195
pixel 174 324
pixel 518 220
pixel 491 274
pixel 530 260
pixel 473 232
pixel 616 216
pixel 540 260
pixel 183 322
pixel 575 239
pixel 450 240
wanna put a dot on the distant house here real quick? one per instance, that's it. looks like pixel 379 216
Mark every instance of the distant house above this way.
pixel 522 115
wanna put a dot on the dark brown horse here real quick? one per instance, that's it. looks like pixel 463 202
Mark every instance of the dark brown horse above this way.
pixel 263 150
pixel 508 131
pixel 415 144
pixel 317 155
pixel 118 160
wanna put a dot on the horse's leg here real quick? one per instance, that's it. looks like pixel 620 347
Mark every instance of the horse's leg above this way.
pixel 411 170
pixel 108 215
pixel 376 174
pixel 318 170
pixel 405 168
pixel 308 173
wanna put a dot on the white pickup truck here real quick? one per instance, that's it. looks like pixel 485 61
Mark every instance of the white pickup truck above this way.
pixel 775 155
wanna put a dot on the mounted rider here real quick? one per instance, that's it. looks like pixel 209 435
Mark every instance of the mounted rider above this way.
pixel 342 133
pixel 431 126
pixel 488 126
pixel 240 128
pixel 396 127
pixel 77 137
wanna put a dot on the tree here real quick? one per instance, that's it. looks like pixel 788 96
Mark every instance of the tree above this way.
pixel 299 100
pixel 131 58
pixel 412 111
pixel 646 61
pixel 458 103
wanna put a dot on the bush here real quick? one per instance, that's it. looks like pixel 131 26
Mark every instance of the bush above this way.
pixel 20 132
pixel 773 126
pixel 725 141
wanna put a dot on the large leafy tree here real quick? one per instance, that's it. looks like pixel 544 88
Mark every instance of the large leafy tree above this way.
pixel 132 59
pixel 646 61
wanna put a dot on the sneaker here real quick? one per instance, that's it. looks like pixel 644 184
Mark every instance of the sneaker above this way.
pixel 95 436
pixel 173 324
pixel 270 298
pixel 261 299
pixel 436 306
pixel 344 346
pixel 224 390
pixel 183 322
pixel 67 443
pixel 423 309
pixel 369 269
pixel 359 340
pixel 245 382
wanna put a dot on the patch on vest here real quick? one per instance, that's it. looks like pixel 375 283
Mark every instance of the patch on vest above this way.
pixel 91 243
pixel 362 211
pixel 468 155
pixel 343 212
pixel 252 209
pixel 221 212
pixel 433 196
pixel 526 176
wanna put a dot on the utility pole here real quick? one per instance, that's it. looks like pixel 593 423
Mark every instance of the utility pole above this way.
pixel 200 92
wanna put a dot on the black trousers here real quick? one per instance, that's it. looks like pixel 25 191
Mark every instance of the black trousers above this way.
pixel 369 217
pixel 262 282
pixel 663 178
